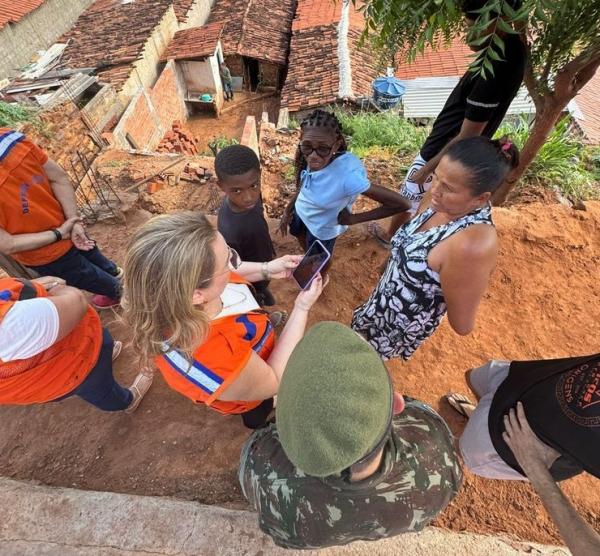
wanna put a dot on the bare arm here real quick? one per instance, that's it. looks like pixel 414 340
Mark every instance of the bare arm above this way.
pixel 286 217
pixel 16 243
pixel 65 193
pixel 469 128
pixel 277 268
pixel 465 269
pixel 391 203
pixel 71 305
pixel 579 536
pixel 61 187
pixel 260 379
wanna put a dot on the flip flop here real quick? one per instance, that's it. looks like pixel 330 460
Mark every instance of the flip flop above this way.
pixel 117 347
pixel 278 318
pixel 139 387
pixel 458 402
pixel 374 230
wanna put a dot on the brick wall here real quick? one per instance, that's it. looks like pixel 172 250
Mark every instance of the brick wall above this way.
pixel 167 97
pixel 141 122
pixel 146 70
pixel 104 107
pixel 61 141
pixel 152 111
pixel 38 30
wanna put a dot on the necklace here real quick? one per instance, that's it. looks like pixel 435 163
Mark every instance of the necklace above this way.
pixel 238 297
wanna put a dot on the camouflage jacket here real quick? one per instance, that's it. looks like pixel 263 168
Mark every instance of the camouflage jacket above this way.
pixel 420 474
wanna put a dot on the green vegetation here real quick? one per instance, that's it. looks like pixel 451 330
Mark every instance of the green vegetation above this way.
pixel 380 133
pixel 219 143
pixel 562 163
pixel 12 114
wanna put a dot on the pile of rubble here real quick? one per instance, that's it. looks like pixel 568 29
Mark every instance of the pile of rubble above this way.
pixel 178 140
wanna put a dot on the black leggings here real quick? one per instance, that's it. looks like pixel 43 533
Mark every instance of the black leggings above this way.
pixel 257 417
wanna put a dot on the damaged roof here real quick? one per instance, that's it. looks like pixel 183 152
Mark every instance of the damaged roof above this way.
pixel 247 32
pixel 196 42
pixel 11 11
pixel 111 36
pixel 182 7
pixel 326 63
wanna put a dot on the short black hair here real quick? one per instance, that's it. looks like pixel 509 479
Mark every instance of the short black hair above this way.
pixel 235 160
pixel 488 161
pixel 469 6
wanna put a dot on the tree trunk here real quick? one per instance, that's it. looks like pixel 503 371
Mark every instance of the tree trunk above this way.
pixel 542 127
pixel 549 106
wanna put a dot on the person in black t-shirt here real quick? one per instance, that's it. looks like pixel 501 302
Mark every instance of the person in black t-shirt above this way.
pixel 476 106
pixel 552 435
pixel 241 218
pixel 561 398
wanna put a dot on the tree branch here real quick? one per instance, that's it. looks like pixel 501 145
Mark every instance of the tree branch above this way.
pixel 532 84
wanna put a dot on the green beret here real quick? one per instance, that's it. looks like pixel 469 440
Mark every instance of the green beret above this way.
pixel 334 402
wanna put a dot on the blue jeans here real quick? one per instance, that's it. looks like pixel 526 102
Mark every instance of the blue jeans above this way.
pixel 298 229
pixel 228 91
pixel 86 270
pixel 100 387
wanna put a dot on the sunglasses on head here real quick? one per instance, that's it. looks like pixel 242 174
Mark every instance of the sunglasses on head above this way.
pixel 307 150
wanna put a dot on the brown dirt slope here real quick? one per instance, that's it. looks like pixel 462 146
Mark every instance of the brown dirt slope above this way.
pixel 544 301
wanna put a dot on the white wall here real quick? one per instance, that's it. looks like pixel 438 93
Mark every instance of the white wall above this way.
pixel 38 30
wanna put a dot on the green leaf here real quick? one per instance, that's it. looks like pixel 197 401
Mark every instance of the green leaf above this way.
pixel 499 43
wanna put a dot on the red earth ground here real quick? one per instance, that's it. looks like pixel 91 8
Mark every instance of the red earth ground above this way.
pixel 543 301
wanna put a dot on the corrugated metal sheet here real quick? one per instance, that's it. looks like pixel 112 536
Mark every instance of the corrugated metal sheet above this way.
pixel 425 97
pixel 11 11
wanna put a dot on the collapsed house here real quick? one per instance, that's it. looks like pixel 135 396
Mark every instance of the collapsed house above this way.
pixel 256 40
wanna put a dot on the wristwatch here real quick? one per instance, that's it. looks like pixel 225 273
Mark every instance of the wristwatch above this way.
pixel 57 234
pixel 265 271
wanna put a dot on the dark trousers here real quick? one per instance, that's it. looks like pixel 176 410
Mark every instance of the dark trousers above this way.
pixel 86 270
pixel 299 230
pixel 100 387
pixel 257 417
pixel 228 91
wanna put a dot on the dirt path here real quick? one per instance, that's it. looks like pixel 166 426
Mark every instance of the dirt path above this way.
pixel 544 302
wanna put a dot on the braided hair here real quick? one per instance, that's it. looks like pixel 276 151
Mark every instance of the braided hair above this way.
pixel 318 118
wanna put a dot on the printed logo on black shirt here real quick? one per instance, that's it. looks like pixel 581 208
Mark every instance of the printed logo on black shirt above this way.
pixel 578 394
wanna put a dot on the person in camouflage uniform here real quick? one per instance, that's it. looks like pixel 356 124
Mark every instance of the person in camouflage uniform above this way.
pixel 336 407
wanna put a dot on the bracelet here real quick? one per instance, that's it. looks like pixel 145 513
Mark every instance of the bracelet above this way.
pixel 265 271
pixel 57 234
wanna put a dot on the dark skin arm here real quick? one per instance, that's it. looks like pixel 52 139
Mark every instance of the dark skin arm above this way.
pixel 286 217
pixel 391 203
pixel 469 128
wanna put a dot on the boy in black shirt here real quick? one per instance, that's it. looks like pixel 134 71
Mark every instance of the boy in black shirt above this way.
pixel 241 218
pixel 476 106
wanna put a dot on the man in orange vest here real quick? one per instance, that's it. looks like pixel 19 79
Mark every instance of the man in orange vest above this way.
pixel 39 224
pixel 52 346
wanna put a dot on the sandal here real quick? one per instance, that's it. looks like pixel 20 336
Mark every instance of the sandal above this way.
pixel 375 231
pixel 278 318
pixel 459 403
pixel 139 387
pixel 117 347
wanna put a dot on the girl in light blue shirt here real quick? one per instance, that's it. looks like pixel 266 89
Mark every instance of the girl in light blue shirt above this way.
pixel 330 179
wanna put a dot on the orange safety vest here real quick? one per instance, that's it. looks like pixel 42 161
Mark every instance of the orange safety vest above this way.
pixel 59 369
pixel 27 202
pixel 220 359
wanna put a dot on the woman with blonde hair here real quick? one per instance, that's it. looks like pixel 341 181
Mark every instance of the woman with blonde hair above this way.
pixel 188 301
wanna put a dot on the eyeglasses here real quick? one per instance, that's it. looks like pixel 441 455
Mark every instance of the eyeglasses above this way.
pixel 234 261
pixel 307 150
